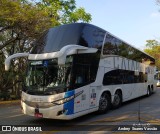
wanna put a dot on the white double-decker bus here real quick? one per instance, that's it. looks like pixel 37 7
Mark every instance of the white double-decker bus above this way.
pixel 79 68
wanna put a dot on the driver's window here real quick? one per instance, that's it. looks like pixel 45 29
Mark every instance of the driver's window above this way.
pixel 82 75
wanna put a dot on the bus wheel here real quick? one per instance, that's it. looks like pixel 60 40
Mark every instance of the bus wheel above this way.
pixel 148 92
pixel 117 100
pixel 104 103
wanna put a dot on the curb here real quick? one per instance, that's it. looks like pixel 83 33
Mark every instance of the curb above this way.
pixel 9 102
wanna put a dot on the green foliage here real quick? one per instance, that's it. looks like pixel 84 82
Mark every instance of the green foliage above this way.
pixel 153 49
pixel 22 22
pixel 63 12
pixel 79 15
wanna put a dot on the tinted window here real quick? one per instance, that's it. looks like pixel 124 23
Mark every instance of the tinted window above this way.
pixel 92 37
pixel 79 33
pixel 114 46
pixel 56 38
pixel 85 68
pixel 123 50
pixel 112 78
pixel 123 77
pixel 111 45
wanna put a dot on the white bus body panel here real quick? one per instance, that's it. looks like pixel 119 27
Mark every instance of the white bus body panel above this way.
pixel 88 101
pixel 129 91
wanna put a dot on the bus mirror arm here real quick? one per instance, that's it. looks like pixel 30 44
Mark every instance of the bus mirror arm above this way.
pixel 66 50
pixel 73 49
pixel 17 55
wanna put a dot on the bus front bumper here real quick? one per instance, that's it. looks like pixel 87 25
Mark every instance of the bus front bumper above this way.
pixel 55 112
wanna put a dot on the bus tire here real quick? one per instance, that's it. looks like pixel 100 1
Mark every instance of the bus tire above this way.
pixel 117 100
pixel 104 103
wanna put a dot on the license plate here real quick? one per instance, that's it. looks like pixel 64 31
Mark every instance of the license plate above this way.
pixel 39 115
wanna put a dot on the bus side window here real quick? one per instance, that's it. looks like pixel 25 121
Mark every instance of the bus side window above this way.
pixel 112 77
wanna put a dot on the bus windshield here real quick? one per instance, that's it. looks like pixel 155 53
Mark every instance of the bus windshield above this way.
pixel 47 77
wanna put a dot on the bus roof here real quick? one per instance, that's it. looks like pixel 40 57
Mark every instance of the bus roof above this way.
pixel 83 34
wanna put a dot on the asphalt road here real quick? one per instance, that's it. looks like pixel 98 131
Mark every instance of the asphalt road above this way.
pixel 143 111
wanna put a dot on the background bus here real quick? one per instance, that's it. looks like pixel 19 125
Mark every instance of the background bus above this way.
pixel 79 68
pixel 157 76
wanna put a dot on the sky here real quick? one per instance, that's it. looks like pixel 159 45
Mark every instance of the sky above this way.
pixel 133 21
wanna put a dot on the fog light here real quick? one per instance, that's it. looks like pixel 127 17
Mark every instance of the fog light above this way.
pixel 61 112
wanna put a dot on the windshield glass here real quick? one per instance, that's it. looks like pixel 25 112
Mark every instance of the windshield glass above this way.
pixel 47 77
pixel 56 38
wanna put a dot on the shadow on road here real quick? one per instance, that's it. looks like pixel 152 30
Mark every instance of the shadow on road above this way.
pixel 113 116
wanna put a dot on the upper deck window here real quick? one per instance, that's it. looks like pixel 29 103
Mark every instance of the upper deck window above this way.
pixel 92 37
pixel 56 38
pixel 114 46
pixel 79 33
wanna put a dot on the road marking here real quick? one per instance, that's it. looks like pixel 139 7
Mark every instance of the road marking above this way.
pixel 117 118
pixel 122 118
pixel 13 111
pixel 155 122
pixel 12 116
pixel 133 132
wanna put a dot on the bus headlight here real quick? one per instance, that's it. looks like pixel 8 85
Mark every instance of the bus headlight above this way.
pixel 64 100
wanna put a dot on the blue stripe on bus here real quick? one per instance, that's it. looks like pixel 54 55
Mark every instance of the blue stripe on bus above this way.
pixel 69 106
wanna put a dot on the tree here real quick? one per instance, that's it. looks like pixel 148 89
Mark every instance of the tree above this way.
pixel 63 12
pixel 153 49
pixel 22 22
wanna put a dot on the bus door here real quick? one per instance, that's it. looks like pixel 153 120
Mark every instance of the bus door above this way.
pixel 96 86
pixel 81 102
pixel 82 86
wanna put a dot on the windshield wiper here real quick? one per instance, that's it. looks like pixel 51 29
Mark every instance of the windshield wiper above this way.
pixel 34 92
pixel 55 90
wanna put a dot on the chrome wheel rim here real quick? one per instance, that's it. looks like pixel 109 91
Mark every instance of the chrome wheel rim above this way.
pixel 103 103
pixel 116 99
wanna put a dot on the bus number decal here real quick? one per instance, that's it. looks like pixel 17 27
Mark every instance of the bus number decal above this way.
pixel 93 98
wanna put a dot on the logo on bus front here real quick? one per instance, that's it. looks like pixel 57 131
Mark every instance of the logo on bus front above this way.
pixel 37 100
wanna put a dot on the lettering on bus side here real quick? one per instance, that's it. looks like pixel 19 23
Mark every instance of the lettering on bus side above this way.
pixel 93 98
pixel 108 62
pixel 123 64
